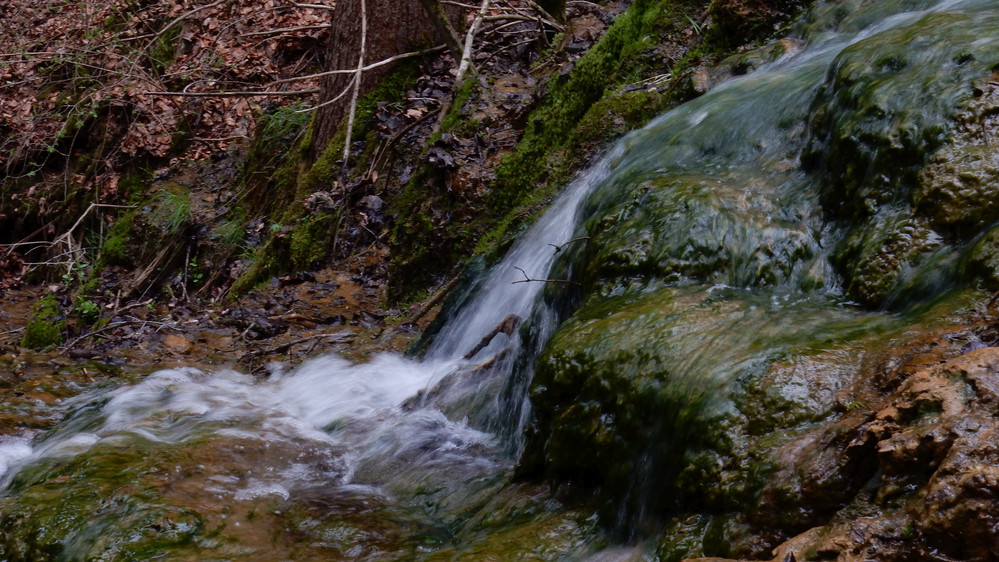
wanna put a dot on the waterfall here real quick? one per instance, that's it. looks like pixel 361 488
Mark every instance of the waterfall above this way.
pixel 426 432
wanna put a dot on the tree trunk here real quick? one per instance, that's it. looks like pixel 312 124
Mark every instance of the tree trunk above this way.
pixel 394 27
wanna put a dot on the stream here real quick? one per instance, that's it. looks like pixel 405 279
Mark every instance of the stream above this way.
pixel 735 249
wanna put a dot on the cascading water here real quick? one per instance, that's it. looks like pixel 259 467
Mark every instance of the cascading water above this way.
pixel 704 239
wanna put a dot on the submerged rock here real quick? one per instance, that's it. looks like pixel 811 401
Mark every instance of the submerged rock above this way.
pixel 720 384
pixel 900 136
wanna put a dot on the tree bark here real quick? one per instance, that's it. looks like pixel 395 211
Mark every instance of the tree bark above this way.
pixel 394 27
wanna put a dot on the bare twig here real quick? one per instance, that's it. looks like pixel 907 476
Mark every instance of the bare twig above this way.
pixel 511 17
pixel 466 55
pixel 451 284
pixel 286 30
pixel 378 160
pixel 549 19
pixel 357 91
pixel 315 6
pixel 558 248
pixel 371 66
pixel 507 326
pixel 246 94
pixel 465 63
pixel 345 91
pixel 528 279
pixel 341 337
pixel 459 4
pixel 179 19
pixel 72 251
pixel 112 326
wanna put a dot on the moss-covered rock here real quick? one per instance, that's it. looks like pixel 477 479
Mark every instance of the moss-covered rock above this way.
pixel 689 228
pixel 45 329
pixel 673 398
pixel 899 136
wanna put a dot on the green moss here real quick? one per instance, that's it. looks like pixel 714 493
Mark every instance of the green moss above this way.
pixel 116 248
pixel 590 106
pixel 455 121
pixel 46 326
pixel 163 50
pixel 311 241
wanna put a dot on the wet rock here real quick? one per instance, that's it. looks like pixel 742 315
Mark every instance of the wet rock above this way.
pixel 909 168
pixel 668 397
pixel 958 188
pixel 254 323
pixel 934 479
pixel 701 229
pixel 177 344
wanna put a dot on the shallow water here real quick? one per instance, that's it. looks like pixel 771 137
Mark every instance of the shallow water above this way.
pixel 708 243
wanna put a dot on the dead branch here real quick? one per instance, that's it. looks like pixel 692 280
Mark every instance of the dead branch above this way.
pixel 179 19
pixel 552 20
pixel 466 55
pixel 488 363
pixel 357 91
pixel 443 25
pixel 118 311
pixel 111 326
pixel 341 337
pixel 295 317
pixel 378 160
pixel 559 248
pixel 465 63
pixel 67 237
pixel 528 279
pixel 371 66
pixel 246 94
pixel 507 326
pixel 335 99
pixel 286 30
pixel 459 4
pixel 315 6
pixel 451 284
pixel 536 19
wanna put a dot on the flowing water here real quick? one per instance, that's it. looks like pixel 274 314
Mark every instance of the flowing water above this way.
pixel 704 215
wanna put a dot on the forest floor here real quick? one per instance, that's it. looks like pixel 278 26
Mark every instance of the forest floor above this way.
pixel 341 307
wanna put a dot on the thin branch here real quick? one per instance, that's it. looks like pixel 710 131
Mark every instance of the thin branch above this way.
pixel 537 19
pixel 341 337
pixel 528 279
pixel 309 91
pixel 347 89
pixel 179 19
pixel 219 139
pixel 553 20
pixel 316 6
pixel 459 4
pixel 286 30
pixel 357 91
pixel 371 66
pixel 111 326
pixel 559 248
pixel 377 161
pixel 466 55
pixel 465 63
pixel 442 22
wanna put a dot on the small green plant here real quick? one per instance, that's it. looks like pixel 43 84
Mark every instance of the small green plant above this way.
pixel 229 233
pixel 78 272
pixel 194 275
pixel 173 210
pixel 88 310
